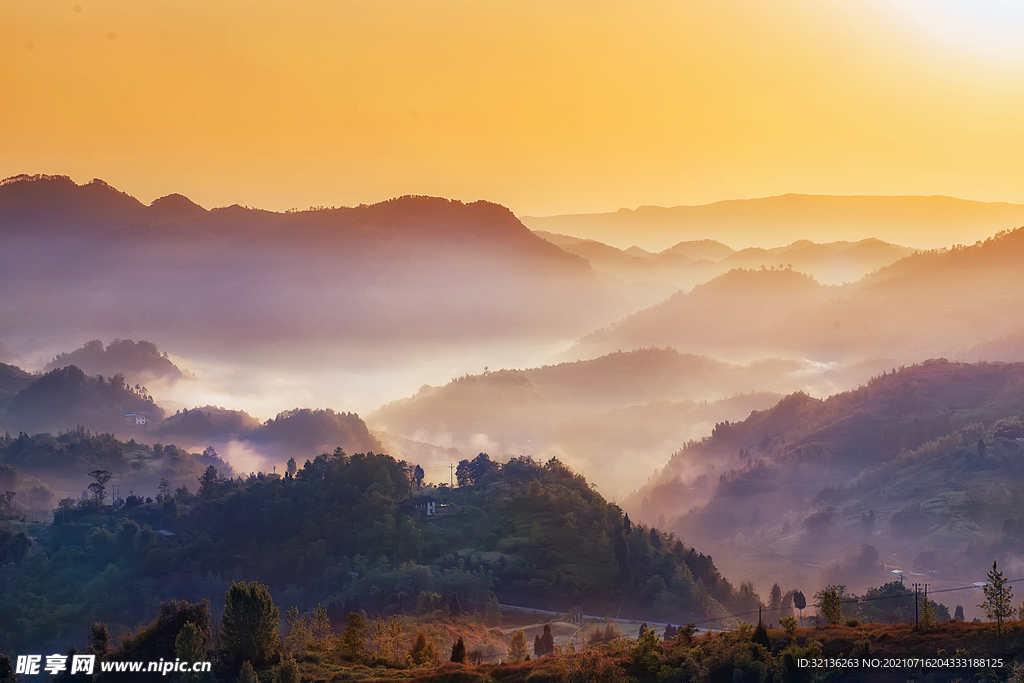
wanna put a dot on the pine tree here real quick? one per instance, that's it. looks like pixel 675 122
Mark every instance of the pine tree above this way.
pixel 998 604
pixel 298 637
pixel 352 641
pixel 517 651
pixel 288 672
pixel 927 620
pixel 249 627
pixel 492 614
pixel 422 653
pixel 760 636
pixel 459 651
pixel 775 598
pixel 547 640
pixel 99 638
pixel 387 637
pixel 247 674
pixel 189 647
pixel 320 629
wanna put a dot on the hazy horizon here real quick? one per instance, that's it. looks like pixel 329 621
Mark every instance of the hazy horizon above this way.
pixel 559 110
pixel 706 255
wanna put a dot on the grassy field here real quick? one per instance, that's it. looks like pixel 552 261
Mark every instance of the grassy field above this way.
pixel 880 651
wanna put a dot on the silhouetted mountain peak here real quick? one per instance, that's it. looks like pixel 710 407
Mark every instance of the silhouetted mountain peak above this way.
pixel 710 250
pixel 175 206
pixel 42 201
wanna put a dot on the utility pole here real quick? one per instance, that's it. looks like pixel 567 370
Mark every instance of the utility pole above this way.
pixel 916 586
pixel 451 480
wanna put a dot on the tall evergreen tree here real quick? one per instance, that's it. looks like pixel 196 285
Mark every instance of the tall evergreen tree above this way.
pixel 249 628
pixel 492 614
pixel 189 646
pixel 459 651
pixel 99 638
pixel 353 639
pixel 422 652
pixel 247 674
pixel 517 651
pixel 547 640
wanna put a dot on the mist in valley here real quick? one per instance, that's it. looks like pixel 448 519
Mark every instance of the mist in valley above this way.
pixel 435 330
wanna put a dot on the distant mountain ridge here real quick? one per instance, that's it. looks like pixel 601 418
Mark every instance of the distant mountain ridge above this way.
pixel 58 203
pixel 402 270
pixel 688 264
pixel 617 416
pixel 927 304
pixel 916 221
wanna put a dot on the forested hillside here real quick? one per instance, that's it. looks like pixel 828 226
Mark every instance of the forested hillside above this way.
pixel 926 305
pixel 137 361
pixel 12 380
pixel 614 417
pixel 919 469
pixel 290 433
pixel 66 397
pixel 344 531
pixel 232 278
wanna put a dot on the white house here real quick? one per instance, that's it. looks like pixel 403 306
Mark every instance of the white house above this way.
pixel 426 505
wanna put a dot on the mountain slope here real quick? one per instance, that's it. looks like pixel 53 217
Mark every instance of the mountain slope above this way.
pixel 921 464
pixel 404 271
pixel 583 411
pixel 12 380
pixel 735 312
pixel 344 532
pixel 65 398
pixel 924 305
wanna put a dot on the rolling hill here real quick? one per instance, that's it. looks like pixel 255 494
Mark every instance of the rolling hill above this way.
pixel 616 417
pixel 411 270
pixel 925 305
pixel 690 263
pixel 65 398
pixel 919 469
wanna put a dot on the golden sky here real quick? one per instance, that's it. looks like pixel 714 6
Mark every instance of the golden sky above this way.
pixel 547 106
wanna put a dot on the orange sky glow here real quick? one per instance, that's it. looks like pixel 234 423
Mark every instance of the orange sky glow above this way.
pixel 547 107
